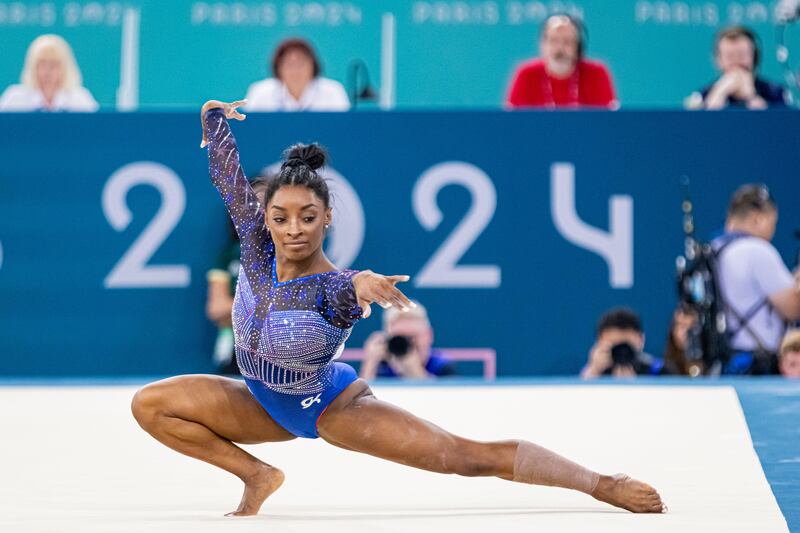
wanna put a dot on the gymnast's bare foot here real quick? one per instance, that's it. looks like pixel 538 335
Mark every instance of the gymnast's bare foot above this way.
pixel 622 491
pixel 257 488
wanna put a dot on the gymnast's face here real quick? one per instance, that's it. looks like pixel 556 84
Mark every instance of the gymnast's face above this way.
pixel 296 217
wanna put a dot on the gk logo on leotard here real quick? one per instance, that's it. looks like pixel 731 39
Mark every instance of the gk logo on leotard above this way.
pixel 311 400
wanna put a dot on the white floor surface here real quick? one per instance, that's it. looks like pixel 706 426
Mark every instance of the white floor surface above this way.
pixel 73 460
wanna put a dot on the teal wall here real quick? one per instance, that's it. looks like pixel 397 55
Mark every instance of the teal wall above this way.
pixel 449 53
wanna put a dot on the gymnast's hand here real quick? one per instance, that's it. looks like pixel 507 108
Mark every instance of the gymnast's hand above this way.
pixel 376 288
pixel 228 108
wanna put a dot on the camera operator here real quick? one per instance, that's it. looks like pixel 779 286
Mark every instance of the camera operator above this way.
pixel 759 292
pixel 619 348
pixel 403 348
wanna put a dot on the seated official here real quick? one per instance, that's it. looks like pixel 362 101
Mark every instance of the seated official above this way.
pixel 296 84
pixel 562 77
pixel 737 56
pixel 403 348
pixel 50 81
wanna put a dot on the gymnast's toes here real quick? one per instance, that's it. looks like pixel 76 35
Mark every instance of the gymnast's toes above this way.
pixel 257 488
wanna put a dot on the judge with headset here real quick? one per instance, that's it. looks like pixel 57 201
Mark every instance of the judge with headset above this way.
pixel 562 76
pixel 737 54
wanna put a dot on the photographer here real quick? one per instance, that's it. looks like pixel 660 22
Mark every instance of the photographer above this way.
pixel 759 292
pixel 619 348
pixel 404 348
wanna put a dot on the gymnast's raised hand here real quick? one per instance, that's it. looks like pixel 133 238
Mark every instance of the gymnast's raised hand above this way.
pixel 230 110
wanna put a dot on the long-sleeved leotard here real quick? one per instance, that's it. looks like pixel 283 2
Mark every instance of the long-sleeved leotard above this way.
pixel 286 333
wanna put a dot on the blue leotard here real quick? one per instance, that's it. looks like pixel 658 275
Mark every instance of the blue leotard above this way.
pixel 287 334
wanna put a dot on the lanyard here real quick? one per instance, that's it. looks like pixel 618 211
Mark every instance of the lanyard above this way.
pixel 572 89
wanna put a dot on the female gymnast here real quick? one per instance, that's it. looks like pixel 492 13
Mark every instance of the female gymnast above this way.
pixel 292 313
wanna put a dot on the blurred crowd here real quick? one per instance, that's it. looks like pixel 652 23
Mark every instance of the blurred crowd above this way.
pixel 562 76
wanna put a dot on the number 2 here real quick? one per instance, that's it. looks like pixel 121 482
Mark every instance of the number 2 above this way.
pixel 132 269
pixel 443 270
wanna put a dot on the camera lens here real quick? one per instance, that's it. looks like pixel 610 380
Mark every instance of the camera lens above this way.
pixel 623 354
pixel 399 345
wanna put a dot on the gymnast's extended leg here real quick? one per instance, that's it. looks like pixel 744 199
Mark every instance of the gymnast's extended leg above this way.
pixel 202 417
pixel 358 421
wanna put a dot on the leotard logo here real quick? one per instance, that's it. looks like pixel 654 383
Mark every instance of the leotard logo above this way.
pixel 311 400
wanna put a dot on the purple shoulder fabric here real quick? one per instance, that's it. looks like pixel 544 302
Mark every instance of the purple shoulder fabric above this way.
pixel 340 305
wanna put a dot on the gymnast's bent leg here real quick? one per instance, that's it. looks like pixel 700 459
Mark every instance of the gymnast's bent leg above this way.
pixel 358 421
pixel 202 416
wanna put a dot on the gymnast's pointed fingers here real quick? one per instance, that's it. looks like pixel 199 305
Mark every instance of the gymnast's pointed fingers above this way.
pixel 401 301
pixel 366 310
pixel 398 278
pixel 238 103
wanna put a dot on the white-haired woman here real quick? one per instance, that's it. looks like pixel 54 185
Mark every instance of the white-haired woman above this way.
pixel 50 81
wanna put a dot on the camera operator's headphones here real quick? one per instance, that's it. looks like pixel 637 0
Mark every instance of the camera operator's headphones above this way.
pixel 583 34
pixel 734 32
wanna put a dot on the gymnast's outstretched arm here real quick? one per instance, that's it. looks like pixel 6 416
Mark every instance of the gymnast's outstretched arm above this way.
pixel 230 180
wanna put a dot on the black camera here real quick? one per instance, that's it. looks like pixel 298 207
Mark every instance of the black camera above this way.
pixel 399 345
pixel 623 354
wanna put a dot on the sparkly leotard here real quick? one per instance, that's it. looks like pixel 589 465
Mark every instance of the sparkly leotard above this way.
pixel 287 334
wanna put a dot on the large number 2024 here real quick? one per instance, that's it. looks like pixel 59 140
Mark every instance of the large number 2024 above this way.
pixel 442 270
pixel 132 269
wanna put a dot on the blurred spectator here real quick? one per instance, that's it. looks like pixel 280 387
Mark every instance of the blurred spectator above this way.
pixel 562 77
pixel 737 56
pixel 50 81
pixel 404 348
pixel 222 279
pixel 675 358
pixel 757 288
pixel 789 358
pixel 619 347
pixel 296 84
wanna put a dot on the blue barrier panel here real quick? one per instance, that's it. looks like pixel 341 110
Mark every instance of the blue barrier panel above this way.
pixel 518 229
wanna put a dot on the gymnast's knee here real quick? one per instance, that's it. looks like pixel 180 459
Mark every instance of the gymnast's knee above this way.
pixel 147 405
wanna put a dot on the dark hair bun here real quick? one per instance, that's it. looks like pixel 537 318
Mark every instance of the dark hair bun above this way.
pixel 311 155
